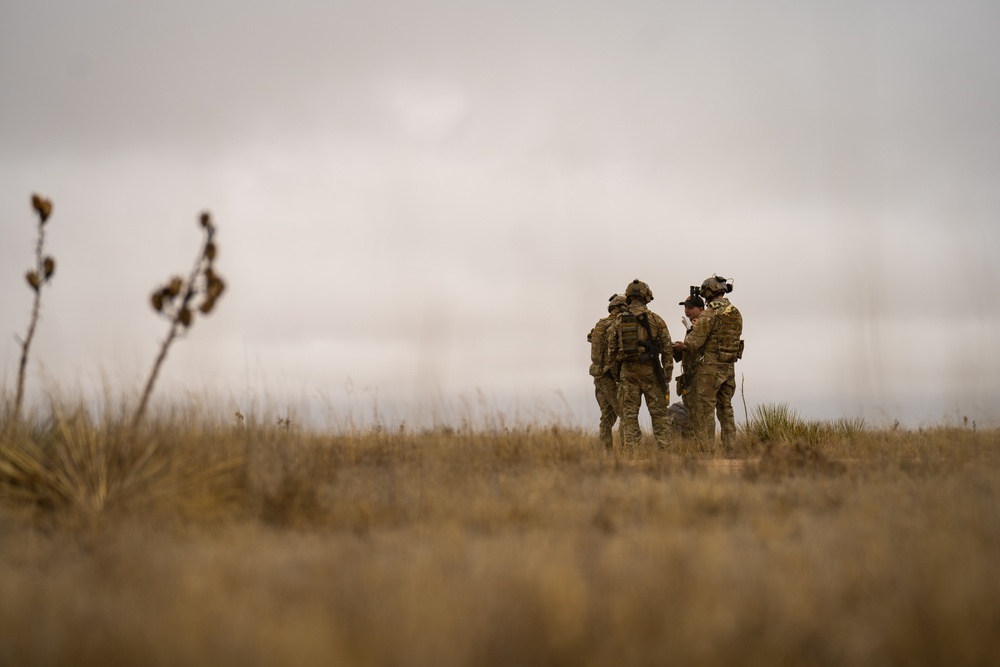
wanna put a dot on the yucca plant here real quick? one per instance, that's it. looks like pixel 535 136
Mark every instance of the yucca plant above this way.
pixel 775 421
pixel 72 464
pixel 37 278
pixel 175 301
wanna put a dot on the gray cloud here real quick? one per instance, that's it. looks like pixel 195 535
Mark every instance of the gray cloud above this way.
pixel 438 197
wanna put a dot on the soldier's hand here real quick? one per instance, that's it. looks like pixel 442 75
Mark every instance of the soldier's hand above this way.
pixel 680 346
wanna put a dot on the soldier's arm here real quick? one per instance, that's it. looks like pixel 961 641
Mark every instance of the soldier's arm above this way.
pixel 611 343
pixel 596 339
pixel 667 348
pixel 696 338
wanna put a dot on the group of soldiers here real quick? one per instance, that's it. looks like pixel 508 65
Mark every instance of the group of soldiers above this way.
pixel 632 357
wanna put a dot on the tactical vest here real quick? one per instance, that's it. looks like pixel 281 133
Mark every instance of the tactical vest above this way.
pixel 724 344
pixel 598 338
pixel 628 336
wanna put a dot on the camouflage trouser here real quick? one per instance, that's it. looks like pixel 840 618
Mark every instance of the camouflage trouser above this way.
pixel 606 390
pixel 686 391
pixel 638 380
pixel 713 390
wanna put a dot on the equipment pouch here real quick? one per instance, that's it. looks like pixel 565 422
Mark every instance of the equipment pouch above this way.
pixel 629 336
pixel 730 354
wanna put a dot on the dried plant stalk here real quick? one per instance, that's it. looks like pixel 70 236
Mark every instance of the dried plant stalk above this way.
pixel 37 278
pixel 175 301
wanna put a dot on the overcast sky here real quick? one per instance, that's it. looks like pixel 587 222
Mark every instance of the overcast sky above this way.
pixel 424 206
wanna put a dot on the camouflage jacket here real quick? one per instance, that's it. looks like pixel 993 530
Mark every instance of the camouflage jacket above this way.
pixel 691 359
pixel 600 359
pixel 715 336
pixel 620 348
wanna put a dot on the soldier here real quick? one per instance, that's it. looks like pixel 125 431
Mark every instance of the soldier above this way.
pixel 715 337
pixel 603 371
pixel 642 347
pixel 694 306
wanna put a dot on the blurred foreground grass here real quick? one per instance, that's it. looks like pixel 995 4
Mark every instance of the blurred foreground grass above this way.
pixel 192 542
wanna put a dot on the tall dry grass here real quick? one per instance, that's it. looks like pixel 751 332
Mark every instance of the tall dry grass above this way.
pixel 188 541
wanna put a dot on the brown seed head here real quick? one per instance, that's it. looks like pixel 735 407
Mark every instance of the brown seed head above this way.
pixel 185 317
pixel 42 206
pixel 175 285
pixel 157 300
pixel 205 219
pixel 49 265
pixel 210 251
pixel 207 305
pixel 215 287
pixel 33 280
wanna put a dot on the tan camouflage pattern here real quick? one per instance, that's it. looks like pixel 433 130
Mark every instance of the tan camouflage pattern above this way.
pixel 605 384
pixel 600 359
pixel 691 361
pixel 713 390
pixel 636 379
pixel 606 391
pixel 715 337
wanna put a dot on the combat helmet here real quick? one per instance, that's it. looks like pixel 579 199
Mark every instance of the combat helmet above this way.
pixel 616 301
pixel 639 290
pixel 716 285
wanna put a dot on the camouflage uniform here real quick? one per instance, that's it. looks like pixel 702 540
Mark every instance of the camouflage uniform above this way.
pixel 637 377
pixel 691 361
pixel 685 382
pixel 603 371
pixel 716 338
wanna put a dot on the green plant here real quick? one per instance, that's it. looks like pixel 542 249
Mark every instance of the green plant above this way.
pixel 851 427
pixel 78 467
pixel 775 421
pixel 175 301
pixel 45 267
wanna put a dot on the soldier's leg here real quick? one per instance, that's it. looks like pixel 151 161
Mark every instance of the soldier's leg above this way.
pixel 629 399
pixel 606 390
pixel 724 407
pixel 659 414
pixel 656 403
pixel 701 402
pixel 687 429
pixel 612 393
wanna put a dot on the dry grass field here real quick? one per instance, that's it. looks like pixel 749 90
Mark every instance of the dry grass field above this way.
pixel 189 542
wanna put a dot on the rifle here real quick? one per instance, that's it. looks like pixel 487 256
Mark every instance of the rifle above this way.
pixel 652 353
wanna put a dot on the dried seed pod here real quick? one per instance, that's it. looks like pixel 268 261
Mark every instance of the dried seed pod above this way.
pixel 185 317
pixel 215 287
pixel 49 265
pixel 174 287
pixel 42 206
pixel 157 300
pixel 33 280
pixel 210 251
pixel 205 219
pixel 207 305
